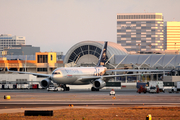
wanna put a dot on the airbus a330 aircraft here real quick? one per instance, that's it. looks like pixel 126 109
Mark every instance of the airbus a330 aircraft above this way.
pixel 80 75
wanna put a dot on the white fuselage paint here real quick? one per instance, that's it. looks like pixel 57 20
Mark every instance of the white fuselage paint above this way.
pixel 70 75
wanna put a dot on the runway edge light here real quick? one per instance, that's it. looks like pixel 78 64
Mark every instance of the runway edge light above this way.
pixel 8 97
pixel 149 117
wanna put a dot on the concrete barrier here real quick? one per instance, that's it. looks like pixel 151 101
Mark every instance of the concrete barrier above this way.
pixel 38 112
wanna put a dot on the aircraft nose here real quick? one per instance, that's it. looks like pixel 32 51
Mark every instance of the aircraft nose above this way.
pixel 53 77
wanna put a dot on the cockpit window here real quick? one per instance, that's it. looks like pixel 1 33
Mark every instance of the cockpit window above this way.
pixel 56 73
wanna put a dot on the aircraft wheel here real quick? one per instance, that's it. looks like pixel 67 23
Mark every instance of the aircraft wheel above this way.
pixel 67 89
pixel 94 89
pixel 64 89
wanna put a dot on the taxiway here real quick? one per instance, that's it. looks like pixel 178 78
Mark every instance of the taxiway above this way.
pixel 82 98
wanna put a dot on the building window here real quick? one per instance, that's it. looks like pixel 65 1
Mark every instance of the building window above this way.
pixel 83 50
pixel 42 58
pixel 51 57
pixel 21 81
pixel 42 69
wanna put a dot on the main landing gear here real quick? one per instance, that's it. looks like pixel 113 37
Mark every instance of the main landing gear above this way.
pixel 94 89
pixel 64 87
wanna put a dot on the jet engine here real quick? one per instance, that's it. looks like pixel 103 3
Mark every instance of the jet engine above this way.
pixel 45 83
pixel 99 83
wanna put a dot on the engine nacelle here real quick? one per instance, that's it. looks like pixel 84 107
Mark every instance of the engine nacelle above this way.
pixel 99 83
pixel 45 83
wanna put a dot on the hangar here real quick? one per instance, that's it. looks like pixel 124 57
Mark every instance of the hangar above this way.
pixel 87 52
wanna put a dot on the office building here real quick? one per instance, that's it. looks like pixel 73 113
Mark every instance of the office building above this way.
pixel 7 40
pixel 44 62
pixel 21 50
pixel 140 31
pixel 172 35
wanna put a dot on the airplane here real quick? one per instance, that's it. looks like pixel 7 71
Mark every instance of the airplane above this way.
pixel 80 75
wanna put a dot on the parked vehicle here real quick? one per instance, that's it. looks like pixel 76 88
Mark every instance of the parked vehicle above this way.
pixel 142 89
pixel 139 84
pixel 53 88
pixel 153 89
pixel 176 88
pixel 34 86
pixel 8 86
pixel 23 86
pixel 158 84
pixel 112 92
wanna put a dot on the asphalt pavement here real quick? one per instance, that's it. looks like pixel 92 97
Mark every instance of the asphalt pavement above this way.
pixel 23 99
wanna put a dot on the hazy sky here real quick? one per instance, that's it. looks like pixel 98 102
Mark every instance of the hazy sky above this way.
pixel 59 24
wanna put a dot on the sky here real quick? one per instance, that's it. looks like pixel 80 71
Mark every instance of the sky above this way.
pixel 57 25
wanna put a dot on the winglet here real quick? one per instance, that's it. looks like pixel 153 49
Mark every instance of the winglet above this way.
pixel 102 57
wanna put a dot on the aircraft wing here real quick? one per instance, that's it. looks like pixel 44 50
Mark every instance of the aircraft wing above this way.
pixel 35 74
pixel 104 77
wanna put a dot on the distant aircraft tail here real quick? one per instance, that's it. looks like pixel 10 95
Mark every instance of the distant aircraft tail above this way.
pixel 102 57
pixel 6 69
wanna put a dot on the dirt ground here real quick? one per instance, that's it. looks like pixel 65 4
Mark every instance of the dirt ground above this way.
pixel 123 113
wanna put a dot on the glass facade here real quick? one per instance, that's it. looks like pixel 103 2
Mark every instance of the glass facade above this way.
pixel 83 50
pixel 140 32
pixel 42 58
pixel 7 40
pixel 172 35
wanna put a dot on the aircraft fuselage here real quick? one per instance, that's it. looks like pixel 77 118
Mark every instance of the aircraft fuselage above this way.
pixel 71 75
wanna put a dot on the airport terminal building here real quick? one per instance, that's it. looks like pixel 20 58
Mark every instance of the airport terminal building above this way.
pixel 88 52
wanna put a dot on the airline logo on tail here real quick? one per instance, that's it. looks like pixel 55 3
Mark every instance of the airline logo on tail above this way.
pixel 102 57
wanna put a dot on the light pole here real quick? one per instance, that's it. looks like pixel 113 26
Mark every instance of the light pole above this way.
pixel 11 55
pixel 139 47
pixel 150 47
pixel 23 58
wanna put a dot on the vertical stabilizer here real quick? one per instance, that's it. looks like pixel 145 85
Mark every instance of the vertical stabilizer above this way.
pixel 102 57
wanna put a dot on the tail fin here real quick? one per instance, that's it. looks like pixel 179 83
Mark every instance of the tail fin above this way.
pixel 102 57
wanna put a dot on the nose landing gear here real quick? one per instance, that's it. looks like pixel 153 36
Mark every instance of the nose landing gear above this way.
pixel 64 87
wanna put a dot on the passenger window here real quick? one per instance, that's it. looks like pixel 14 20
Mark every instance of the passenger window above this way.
pixel 56 73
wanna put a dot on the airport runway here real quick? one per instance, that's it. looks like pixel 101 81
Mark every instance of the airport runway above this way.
pixel 82 98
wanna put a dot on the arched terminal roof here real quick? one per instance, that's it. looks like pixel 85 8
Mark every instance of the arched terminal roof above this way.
pixel 89 51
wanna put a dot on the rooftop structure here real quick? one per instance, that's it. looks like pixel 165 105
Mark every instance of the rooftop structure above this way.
pixel 21 50
pixel 88 52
